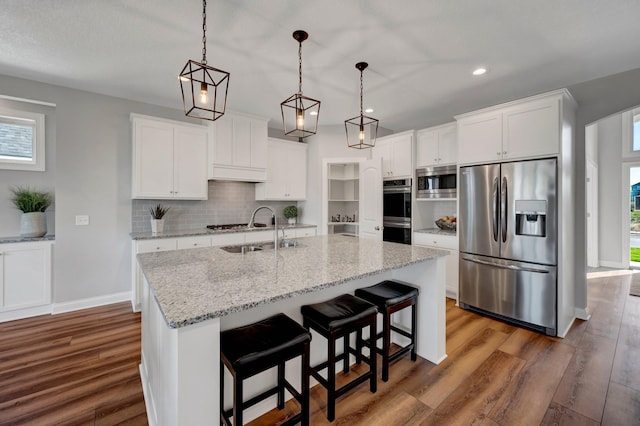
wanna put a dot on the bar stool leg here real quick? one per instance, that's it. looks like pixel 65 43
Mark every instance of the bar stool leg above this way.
pixel 237 401
pixel 331 379
pixel 304 407
pixel 373 383
pixel 222 419
pixel 359 346
pixel 386 344
pixel 281 386
pixel 414 326
pixel 345 360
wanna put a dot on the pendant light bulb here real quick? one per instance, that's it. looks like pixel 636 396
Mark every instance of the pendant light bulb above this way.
pixel 204 93
pixel 361 134
pixel 300 119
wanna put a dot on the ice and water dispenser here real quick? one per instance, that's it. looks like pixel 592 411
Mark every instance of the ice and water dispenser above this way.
pixel 531 218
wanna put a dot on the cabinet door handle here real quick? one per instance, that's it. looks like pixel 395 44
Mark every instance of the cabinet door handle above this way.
pixel 498 153
pixel 504 152
pixel 377 228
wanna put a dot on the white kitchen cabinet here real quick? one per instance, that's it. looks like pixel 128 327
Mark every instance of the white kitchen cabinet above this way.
pixel 238 148
pixel 437 146
pixel 145 246
pixel 25 279
pixel 169 159
pixel 193 242
pixel 396 153
pixel 286 172
pixel 528 128
pixel 343 196
pixel 450 244
pixel 299 232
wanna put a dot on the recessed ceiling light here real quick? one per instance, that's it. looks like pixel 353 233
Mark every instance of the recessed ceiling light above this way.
pixel 479 71
pixel 368 110
pixel 313 113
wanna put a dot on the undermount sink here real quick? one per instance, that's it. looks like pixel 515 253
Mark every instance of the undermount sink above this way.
pixel 244 248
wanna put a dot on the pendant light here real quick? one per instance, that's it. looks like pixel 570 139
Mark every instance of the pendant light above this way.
pixel 300 113
pixel 361 130
pixel 204 88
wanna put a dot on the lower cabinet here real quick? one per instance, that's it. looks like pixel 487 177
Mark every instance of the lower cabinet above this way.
pixel 25 279
pixel 450 244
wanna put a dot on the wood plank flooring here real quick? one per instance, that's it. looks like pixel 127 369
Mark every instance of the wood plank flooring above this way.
pixel 81 368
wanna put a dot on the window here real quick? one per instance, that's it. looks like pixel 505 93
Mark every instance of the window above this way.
pixel 21 140
pixel 636 132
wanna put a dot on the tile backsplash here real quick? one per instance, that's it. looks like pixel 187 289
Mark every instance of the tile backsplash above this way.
pixel 229 202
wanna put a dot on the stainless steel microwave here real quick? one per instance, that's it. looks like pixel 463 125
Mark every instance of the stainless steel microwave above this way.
pixel 436 182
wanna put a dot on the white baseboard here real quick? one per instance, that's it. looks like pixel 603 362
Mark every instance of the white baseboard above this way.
pixel 609 264
pixel 25 313
pixel 91 302
pixel 582 313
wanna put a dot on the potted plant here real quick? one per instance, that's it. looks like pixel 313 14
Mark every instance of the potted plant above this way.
pixel 32 203
pixel 157 218
pixel 291 213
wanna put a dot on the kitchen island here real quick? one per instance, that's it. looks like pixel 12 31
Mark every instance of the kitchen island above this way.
pixel 190 296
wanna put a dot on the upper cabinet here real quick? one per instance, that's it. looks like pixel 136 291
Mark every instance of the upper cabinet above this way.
pixel 437 145
pixel 396 154
pixel 238 148
pixel 527 128
pixel 169 159
pixel 286 172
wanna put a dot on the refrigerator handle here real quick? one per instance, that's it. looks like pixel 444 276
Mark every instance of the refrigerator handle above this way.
pixel 503 209
pixel 510 267
pixel 495 209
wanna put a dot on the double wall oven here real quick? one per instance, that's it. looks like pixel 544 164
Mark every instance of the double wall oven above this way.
pixel 396 211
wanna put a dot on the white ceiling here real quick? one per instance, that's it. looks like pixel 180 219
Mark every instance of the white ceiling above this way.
pixel 420 52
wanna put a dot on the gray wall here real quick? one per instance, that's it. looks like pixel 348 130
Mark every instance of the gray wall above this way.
pixel 42 181
pixel 90 167
pixel 609 131
pixel 596 99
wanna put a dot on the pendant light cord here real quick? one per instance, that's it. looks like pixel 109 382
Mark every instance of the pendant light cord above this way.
pixel 204 32
pixel 300 68
pixel 360 93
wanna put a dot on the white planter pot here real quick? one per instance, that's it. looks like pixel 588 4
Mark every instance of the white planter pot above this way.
pixel 33 225
pixel 291 221
pixel 157 226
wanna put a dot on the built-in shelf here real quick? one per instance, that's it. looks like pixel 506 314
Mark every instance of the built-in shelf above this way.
pixel 343 192
pixel 343 200
pixel 342 223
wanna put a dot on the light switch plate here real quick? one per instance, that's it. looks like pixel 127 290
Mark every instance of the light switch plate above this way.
pixel 82 220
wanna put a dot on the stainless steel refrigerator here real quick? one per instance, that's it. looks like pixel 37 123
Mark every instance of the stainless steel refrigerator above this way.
pixel 508 225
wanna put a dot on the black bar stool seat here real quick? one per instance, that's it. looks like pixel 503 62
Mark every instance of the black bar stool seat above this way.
pixel 390 297
pixel 333 319
pixel 251 349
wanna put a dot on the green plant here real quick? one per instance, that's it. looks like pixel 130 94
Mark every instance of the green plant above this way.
pixel 29 200
pixel 635 254
pixel 158 211
pixel 290 212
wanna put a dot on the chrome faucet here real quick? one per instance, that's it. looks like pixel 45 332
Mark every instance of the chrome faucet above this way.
pixel 275 223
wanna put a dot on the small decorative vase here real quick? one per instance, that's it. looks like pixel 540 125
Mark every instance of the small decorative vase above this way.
pixel 33 225
pixel 291 221
pixel 157 226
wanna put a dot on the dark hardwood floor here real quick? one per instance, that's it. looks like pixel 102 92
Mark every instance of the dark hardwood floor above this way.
pixel 81 368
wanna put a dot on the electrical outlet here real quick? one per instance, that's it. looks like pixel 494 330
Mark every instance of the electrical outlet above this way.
pixel 82 220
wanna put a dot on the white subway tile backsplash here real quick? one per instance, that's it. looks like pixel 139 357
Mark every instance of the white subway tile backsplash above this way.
pixel 229 202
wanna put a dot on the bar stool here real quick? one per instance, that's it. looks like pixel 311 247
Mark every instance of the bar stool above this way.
pixel 249 350
pixel 333 319
pixel 390 297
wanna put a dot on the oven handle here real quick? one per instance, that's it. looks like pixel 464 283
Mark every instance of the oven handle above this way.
pixel 403 225
pixel 396 189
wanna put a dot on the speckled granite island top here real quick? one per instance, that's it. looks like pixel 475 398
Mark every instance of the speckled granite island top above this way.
pixel 195 285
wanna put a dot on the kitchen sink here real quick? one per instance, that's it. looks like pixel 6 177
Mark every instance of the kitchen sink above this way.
pixel 244 248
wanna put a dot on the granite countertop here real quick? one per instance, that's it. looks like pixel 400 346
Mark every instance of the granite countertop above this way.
pixel 205 231
pixel 437 231
pixel 7 240
pixel 195 285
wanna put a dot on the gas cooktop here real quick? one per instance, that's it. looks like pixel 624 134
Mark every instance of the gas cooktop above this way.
pixel 234 226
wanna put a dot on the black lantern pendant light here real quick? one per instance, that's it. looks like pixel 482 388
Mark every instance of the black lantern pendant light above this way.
pixel 362 130
pixel 204 88
pixel 300 113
